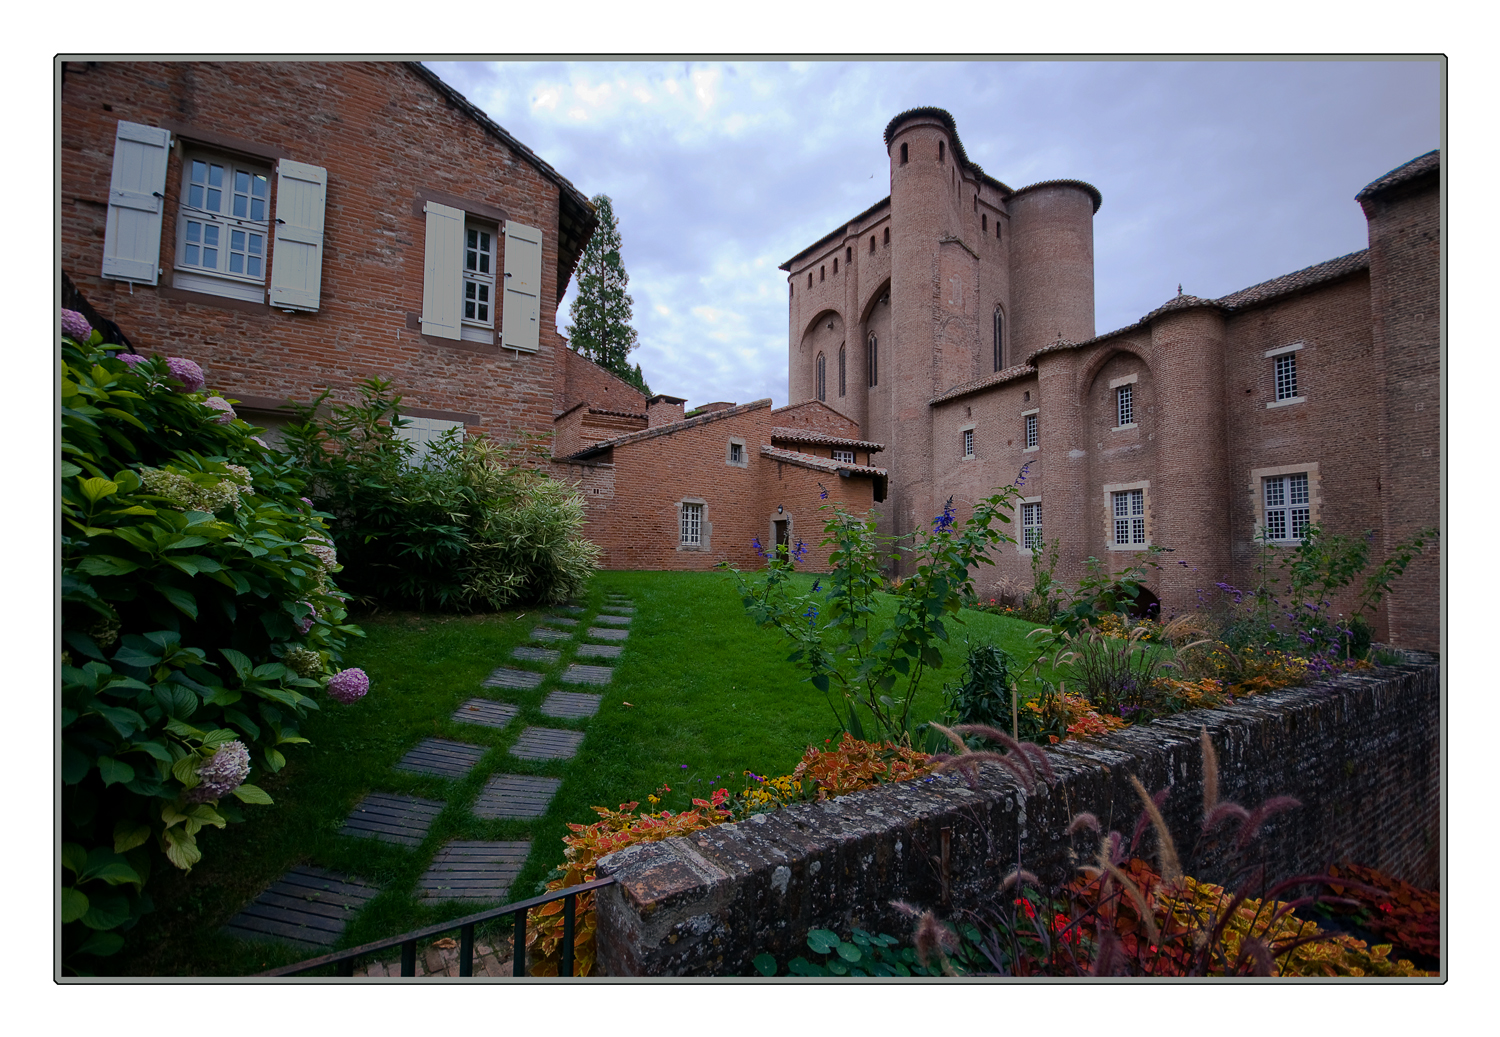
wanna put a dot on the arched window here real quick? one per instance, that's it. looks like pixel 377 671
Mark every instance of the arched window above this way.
pixel 999 339
pixel 872 360
pixel 841 370
pixel 822 378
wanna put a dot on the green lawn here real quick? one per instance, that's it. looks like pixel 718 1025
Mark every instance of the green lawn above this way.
pixel 709 696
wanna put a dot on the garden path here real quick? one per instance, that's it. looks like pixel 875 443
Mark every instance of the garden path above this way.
pixel 310 908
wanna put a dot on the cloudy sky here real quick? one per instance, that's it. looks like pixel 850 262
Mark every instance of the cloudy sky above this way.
pixel 1215 174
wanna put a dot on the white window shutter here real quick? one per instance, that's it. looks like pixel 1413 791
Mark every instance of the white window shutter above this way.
pixel 297 262
pixel 521 324
pixel 442 271
pixel 132 227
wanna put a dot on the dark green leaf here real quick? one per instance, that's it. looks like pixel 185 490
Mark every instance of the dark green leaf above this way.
pixel 765 964
pixel 850 952
pixel 106 912
pixel 114 772
pixel 803 967
pixel 74 905
pixel 822 941
pixel 106 565
pixel 182 600
pixel 102 945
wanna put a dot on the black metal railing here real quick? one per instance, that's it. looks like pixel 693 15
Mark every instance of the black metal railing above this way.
pixel 465 926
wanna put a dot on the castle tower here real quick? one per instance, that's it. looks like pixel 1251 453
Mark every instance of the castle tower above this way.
pixel 1052 263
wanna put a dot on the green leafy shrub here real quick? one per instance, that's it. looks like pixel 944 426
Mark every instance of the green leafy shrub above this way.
pixel 464 527
pixel 984 696
pixel 191 569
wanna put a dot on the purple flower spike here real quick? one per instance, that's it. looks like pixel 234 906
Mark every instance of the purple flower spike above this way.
pixel 218 403
pixel 348 686
pixel 186 372
pixel 76 326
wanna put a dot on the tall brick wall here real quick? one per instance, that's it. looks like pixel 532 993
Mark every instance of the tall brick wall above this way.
pixel 385 137
pixel 1361 754
pixel 580 380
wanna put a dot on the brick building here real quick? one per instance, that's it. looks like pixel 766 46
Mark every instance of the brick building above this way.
pixel 954 322
pixel 300 226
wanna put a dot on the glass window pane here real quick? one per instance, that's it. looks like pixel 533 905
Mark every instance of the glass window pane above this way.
pixel 195 196
pixel 1297 487
pixel 236 263
pixel 258 185
pixel 256 243
pixel 210 234
pixel 242 181
pixel 254 267
pixel 237 240
pixel 193 230
pixel 257 208
pixel 472 237
pixel 240 207
pixel 215 176
pixel 190 255
pixel 200 172
pixel 484 312
pixel 215 201
pixel 1275 494
pixel 1299 522
pixel 469 309
pixel 484 262
pixel 211 257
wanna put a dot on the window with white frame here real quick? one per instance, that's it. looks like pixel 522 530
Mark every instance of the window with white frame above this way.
pixel 968 442
pixel 1288 507
pixel 1129 512
pixel 424 432
pixel 1031 525
pixel 479 275
pixel 691 525
pixel 1286 376
pixel 1031 433
pixel 1125 405
pixel 843 456
pixel 223 222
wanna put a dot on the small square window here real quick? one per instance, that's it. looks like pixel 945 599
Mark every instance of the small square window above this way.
pixel 968 442
pixel 1286 376
pixel 1125 405
pixel 1031 434
pixel 736 453
pixel 844 456
pixel 1129 507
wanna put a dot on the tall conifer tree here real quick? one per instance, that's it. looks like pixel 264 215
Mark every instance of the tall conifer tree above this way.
pixel 601 313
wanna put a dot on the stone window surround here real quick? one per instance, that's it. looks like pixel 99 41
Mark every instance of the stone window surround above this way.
pixel 1110 489
pixel 1283 351
pixel 1115 383
pixel 744 461
pixel 970 427
pixel 1258 476
pixel 1024 415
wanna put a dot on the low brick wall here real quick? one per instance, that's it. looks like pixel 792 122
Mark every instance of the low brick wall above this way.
pixel 1361 752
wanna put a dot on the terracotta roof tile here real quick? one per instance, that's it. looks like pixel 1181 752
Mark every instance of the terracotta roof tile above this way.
pixel 663 430
pixel 1419 166
pixel 798 435
pixel 1319 273
pixel 1009 374
pixel 818 464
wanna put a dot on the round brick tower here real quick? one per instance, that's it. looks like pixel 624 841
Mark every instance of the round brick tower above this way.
pixel 1052 263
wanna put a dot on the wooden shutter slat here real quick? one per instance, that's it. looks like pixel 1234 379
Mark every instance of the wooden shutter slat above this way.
pixel 138 180
pixel 442 271
pixel 521 314
pixel 297 262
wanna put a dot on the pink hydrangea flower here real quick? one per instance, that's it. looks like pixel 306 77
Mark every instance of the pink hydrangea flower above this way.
pixel 262 442
pixel 131 359
pixel 186 372
pixel 224 772
pixel 306 622
pixel 76 326
pixel 218 403
pixel 348 686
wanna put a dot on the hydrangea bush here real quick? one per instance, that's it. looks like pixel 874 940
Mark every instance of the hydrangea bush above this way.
pixel 200 621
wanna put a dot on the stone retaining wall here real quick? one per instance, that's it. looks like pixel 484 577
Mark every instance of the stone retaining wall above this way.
pixel 1361 752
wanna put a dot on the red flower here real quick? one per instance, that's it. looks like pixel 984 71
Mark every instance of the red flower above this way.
pixel 1024 903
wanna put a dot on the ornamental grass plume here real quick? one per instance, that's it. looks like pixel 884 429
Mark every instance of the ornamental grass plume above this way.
pixel 224 772
pixel 348 686
pixel 186 372
pixel 76 326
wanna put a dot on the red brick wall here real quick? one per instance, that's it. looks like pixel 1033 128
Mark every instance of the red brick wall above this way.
pixel 580 380
pixel 383 135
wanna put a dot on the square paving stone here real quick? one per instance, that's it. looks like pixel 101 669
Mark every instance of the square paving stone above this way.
pixel 392 818
pixel 546 743
pixel 617 610
pixel 465 870
pixel 609 633
pixel 535 655
pixel 306 906
pixel 575 609
pixel 548 634
pixel 442 758
pixel 486 712
pixel 574 703
pixel 516 795
pixel 578 673
pixel 561 621
pixel 614 621
pixel 601 651
pixel 504 677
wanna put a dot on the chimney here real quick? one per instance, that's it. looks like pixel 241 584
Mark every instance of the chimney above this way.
pixel 663 410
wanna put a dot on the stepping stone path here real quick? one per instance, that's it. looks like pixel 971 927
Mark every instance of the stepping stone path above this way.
pixel 573 703
pixel 464 870
pixel 516 795
pixel 442 758
pixel 578 673
pixel 507 678
pixel 392 818
pixel 306 906
pixel 535 655
pixel 311 907
pixel 486 712
pixel 546 743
